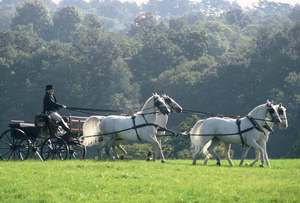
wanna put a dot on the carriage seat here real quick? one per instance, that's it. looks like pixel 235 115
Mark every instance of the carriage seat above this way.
pixel 41 120
pixel 20 124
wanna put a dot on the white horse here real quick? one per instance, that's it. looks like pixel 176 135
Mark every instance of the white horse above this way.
pixel 267 128
pixel 91 126
pixel 250 131
pixel 162 119
pixel 140 128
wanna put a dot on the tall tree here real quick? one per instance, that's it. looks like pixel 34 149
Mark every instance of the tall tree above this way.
pixel 35 13
pixel 65 24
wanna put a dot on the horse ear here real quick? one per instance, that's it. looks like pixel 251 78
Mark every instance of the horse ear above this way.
pixel 269 103
pixel 280 105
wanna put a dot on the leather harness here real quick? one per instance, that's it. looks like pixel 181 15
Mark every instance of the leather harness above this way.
pixel 255 126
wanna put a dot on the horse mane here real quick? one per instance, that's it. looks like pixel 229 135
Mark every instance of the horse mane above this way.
pixel 256 109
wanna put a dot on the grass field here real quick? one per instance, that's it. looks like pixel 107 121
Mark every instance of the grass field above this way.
pixel 141 181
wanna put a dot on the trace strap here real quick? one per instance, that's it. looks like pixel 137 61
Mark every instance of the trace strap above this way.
pixel 136 126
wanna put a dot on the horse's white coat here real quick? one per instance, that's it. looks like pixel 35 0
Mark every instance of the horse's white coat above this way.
pixel 146 134
pixel 214 126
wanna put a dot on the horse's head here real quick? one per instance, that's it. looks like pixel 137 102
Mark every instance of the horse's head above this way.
pixel 272 111
pixel 282 114
pixel 154 103
pixel 174 106
pixel 160 104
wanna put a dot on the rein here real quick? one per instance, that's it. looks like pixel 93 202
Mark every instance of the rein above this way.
pixel 221 115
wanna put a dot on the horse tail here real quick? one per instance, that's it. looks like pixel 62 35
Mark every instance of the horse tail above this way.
pixel 195 135
pixel 91 131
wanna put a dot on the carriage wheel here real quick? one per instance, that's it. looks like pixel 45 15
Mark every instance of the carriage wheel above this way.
pixel 77 151
pixel 55 148
pixel 14 145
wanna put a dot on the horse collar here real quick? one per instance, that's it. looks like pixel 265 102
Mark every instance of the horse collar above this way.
pixel 255 124
pixel 267 127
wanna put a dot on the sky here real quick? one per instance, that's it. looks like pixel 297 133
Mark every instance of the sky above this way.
pixel 243 3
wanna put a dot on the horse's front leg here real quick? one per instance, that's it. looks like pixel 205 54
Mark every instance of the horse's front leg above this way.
pixel 159 149
pixel 257 158
pixel 244 155
pixel 123 150
pixel 264 146
pixel 256 146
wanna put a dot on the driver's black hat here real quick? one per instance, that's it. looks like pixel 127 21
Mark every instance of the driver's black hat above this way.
pixel 49 87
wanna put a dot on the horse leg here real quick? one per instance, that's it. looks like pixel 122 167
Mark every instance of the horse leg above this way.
pixel 108 146
pixel 227 153
pixel 154 153
pixel 244 154
pixel 264 146
pixel 210 152
pixel 159 149
pixel 256 146
pixel 100 150
pixel 199 147
pixel 257 158
pixel 123 150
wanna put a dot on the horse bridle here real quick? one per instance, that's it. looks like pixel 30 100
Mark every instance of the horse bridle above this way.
pixel 274 119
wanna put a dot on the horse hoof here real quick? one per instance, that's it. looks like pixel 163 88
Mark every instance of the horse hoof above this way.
pixel 163 161
pixel 261 166
pixel 218 164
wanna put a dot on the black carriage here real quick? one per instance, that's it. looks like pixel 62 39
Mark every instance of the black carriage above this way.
pixel 42 139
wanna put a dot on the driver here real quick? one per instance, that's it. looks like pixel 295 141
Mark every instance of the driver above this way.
pixel 51 107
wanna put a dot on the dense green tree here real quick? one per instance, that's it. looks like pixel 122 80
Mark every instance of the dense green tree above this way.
pixel 35 13
pixel 65 24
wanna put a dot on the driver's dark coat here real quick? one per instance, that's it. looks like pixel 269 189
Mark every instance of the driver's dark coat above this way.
pixel 50 104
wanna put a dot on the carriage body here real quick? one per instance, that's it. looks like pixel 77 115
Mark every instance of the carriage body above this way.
pixel 41 139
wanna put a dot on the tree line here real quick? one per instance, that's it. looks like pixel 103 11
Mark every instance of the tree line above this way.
pixel 209 56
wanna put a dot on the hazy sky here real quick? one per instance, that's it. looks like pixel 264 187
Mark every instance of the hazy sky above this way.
pixel 243 3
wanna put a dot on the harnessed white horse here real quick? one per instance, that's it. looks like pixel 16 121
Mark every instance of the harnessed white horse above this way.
pixel 140 128
pixel 162 119
pixel 92 126
pixel 267 128
pixel 248 130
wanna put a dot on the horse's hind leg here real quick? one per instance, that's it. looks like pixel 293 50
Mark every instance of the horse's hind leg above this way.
pixel 210 152
pixel 199 147
pixel 195 152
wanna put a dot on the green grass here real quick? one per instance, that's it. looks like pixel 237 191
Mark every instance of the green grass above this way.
pixel 141 181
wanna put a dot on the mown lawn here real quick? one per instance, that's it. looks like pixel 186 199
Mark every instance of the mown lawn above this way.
pixel 141 181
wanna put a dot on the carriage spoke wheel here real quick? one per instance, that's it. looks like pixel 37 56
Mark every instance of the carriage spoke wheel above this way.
pixel 55 148
pixel 14 145
pixel 77 151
